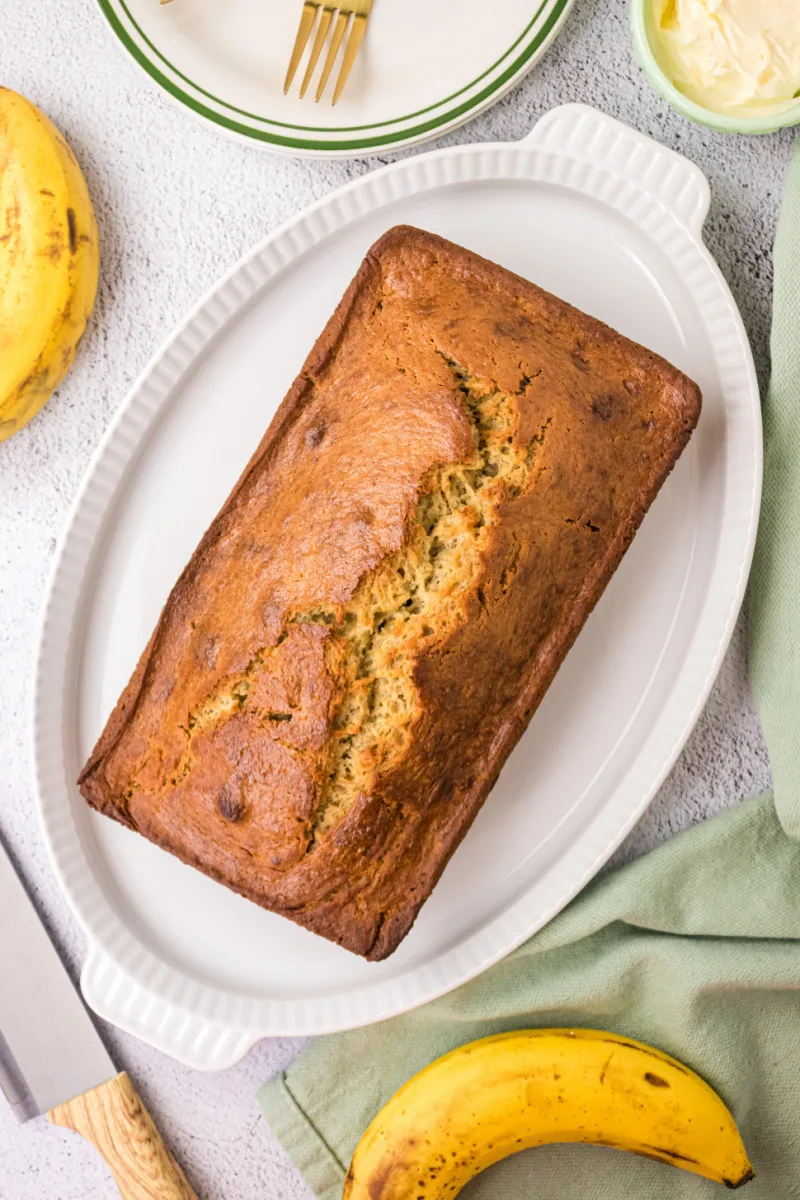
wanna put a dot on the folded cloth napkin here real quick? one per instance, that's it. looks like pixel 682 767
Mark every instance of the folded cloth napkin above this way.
pixel 773 616
pixel 695 948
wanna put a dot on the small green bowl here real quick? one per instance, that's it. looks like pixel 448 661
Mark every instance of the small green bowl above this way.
pixel 641 28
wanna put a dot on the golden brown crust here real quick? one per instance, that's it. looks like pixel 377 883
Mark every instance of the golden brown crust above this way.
pixel 220 746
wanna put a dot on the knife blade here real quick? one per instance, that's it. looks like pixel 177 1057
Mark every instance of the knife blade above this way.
pixel 49 1035
pixel 52 1058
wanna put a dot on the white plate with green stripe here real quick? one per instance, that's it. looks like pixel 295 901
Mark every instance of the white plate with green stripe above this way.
pixel 422 70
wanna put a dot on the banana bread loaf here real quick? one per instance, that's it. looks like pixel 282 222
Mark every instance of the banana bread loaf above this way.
pixel 364 632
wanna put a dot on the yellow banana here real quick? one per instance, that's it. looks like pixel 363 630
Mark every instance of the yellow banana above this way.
pixel 502 1094
pixel 48 259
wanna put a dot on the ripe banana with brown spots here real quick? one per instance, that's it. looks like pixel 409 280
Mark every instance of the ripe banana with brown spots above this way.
pixel 502 1094
pixel 48 259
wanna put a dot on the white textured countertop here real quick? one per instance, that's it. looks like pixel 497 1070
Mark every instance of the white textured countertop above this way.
pixel 177 204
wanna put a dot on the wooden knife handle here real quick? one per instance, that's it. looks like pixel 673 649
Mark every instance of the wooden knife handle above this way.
pixel 114 1119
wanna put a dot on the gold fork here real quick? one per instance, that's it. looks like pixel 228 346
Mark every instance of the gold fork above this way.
pixel 344 9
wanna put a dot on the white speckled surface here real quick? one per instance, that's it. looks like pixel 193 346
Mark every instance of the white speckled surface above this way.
pixel 177 204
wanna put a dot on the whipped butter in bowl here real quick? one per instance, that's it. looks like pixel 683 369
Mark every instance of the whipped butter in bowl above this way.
pixel 732 64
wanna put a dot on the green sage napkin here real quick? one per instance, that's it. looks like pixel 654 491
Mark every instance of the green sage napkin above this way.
pixel 695 948
pixel 774 600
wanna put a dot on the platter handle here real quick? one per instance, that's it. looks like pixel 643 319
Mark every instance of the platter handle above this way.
pixel 603 141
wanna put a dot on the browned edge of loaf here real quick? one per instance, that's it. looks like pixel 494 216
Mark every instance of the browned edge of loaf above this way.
pixel 392 931
pixel 287 413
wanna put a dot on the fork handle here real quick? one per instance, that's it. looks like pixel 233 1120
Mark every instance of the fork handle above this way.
pixel 114 1119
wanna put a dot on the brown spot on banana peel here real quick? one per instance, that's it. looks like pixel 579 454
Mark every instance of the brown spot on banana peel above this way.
pixel 656 1157
pixel 649 1051
pixel 606 1066
pixel 655 1080
pixel 672 1155
pixel 72 230
pixel 12 221
pixel 37 382
pixel 56 247
pixel 377 1184
pixel 746 1178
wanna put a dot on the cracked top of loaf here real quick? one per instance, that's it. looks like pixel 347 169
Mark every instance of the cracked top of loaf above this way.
pixel 367 627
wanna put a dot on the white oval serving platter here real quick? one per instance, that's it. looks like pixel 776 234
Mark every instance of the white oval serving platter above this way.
pixel 422 70
pixel 612 222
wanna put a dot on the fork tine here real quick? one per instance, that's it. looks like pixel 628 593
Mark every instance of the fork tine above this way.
pixel 357 32
pixel 319 42
pixel 303 33
pixel 333 50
